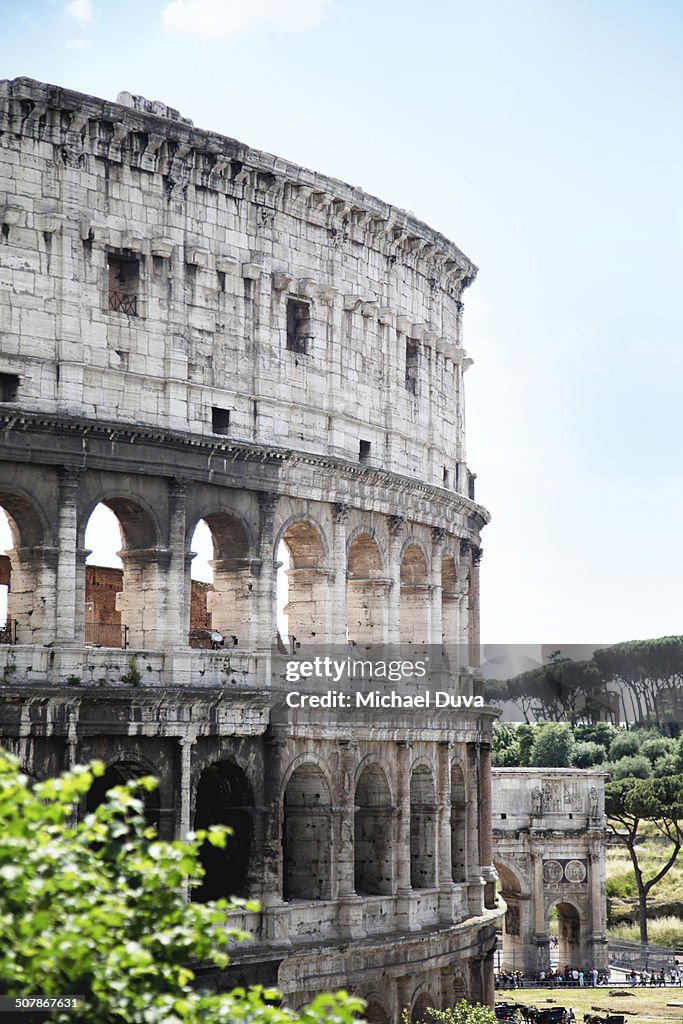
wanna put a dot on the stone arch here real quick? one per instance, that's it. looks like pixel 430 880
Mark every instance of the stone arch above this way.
pixel 118 772
pixel 366 590
pixel 228 600
pixel 422 827
pixel 376 1011
pixel 27 571
pixel 459 832
pixel 225 797
pixel 304 587
pixel 514 930
pixel 569 933
pixel 307 834
pixel 373 844
pixel 415 594
pixel 422 1001
pixel 122 606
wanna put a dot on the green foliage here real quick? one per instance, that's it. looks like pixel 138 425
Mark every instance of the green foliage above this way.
pixel 622 886
pixel 636 767
pixel 663 931
pixel 588 754
pixel 655 747
pixel 512 745
pixel 553 745
pixel 624 744
pixel 132 676
pixel 98 908
pixel 598 732
pixel 461 1013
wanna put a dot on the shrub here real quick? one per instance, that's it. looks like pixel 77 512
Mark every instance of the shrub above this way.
pixel 588 754
pixel 636 767
pixel 624 745
pixel 553 746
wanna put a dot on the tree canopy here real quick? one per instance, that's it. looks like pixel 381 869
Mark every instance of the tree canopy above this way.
pixel 98 908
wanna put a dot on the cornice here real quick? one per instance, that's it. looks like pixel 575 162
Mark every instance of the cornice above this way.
pixel 80 124
pixel 22 422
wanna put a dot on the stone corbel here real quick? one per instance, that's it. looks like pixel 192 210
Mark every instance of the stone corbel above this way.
pixel 326 293
pixel 197 256
pixel 11 214
pixel 361 218
pixel 341 207
pixel 352 303
pixel 370 308
pixel 120 132
pixel 243 176
pixel 253 271
pixel 307 287
pixel 466 362
pixel 385 315
pixel 417 331
pixel 430 338
pixel 50 222
pixel 161 247
pixel 403 324
pixel 227 264
pixel 153 143
pixel 281 282
pixel 321 200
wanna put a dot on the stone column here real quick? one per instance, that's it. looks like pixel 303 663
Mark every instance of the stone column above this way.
pixel 336 632
pixel 444 869
pixel 67 543
pixel 486 827
pixel 396 530
pixel 264 596
pixel 475 882
pixel 186 743
pixel 275 910
pixel 599 952
pixel 175 610
pixel 541 940
pixel 438 538
pixel 350 905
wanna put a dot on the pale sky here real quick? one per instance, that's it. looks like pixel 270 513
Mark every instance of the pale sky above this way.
pixel 544 139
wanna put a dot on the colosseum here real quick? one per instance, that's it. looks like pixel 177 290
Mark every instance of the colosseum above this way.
pixel 196 335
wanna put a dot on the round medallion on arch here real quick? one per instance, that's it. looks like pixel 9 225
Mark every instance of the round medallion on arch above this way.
pixel 552 871
pixel 575 871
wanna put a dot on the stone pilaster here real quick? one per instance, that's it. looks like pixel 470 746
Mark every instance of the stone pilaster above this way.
pixel 396 531
pixel 337 607
pixel 67 543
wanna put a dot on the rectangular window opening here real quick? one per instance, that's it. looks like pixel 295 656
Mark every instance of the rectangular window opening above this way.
pixel 123 284
pixel 412 363
pixel 364 451
pixel 9 385
pixel 446 477
pixel 299 331
pixel 503 816
pixel 220 420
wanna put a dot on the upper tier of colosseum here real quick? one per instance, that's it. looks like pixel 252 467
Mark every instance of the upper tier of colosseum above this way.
pixel 169 277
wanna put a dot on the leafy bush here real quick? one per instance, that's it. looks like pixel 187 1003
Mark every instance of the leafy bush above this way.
pixel 553 745
pixel 622 886
pixel 656 747
pixel 637 767
pixel 99 909
pixel 624 745
pixel 588 754
pixel 461 1013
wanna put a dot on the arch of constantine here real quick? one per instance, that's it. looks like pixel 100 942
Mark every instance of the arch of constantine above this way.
pixel 196 332
pixel 549 853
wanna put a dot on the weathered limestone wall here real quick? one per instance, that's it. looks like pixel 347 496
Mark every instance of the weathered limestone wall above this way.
pixel 191 331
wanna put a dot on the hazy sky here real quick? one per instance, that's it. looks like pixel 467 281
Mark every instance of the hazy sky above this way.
pixel 545 140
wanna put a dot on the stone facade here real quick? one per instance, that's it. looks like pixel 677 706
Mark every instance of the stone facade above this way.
pixel 195 331
pixel 549 852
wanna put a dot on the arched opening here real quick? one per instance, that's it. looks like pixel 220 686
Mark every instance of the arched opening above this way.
pixel 303 585
pixel 373 833
pixel 415 595
pixel 570 951
pixel 420 1012
pixel 123 576
pixel 513 940
pixel 221 584
pixel 366 592
pixel 27 575
pixel 458 825
pixel 422 829
pixel 374 1012
pixel 118 774
pixel 224 797
pixel 307 835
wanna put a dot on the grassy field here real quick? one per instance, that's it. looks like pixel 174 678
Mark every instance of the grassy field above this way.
pixel 665 900
pixel 640 1006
